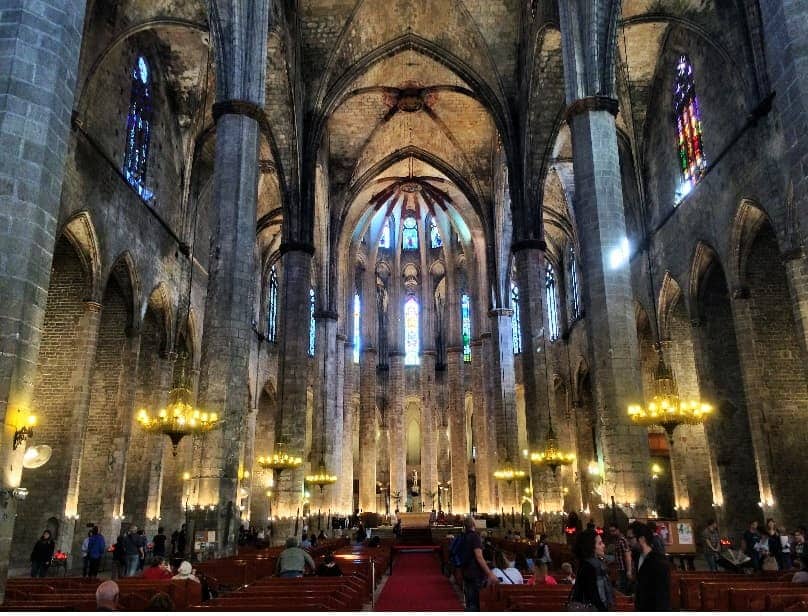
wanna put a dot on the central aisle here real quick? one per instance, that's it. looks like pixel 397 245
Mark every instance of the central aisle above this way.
pixel 417 585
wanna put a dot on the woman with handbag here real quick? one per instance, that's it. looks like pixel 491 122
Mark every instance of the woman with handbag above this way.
pixel 593 590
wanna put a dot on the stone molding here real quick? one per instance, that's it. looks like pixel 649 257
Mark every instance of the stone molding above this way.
pixel 500 312
pixel 326 315
pixel 342 338
pixel 92 305
pixel 529 244
pixel 235 106
pixel 591 103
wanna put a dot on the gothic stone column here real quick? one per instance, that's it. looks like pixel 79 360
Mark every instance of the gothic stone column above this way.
pixel 345 480
pixel 483 466
pixel 457 430
pixel 429 437
pixel 607 295
pixel 398 440
pixel 367 430
pixel 39 52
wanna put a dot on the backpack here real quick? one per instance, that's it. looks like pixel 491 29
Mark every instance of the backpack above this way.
pixel 457 551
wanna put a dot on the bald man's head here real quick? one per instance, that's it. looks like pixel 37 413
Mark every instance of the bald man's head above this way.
pixel 106 595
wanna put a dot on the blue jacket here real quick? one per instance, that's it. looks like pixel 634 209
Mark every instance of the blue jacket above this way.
pixel 96 546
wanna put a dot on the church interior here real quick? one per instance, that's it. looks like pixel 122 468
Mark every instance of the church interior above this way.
pixel 264 261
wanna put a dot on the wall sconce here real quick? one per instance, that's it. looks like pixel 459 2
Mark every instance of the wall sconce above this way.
pixel 25 430
pixel 16 493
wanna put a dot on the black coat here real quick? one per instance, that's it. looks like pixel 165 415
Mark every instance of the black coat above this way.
pixel 653 584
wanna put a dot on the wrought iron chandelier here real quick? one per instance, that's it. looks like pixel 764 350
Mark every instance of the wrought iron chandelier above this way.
pixel 179 418
pixel 552 457
pixel 323 477
pixel 280 460
pixel 507 472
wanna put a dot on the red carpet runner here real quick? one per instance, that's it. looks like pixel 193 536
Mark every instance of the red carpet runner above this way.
pixel 417 585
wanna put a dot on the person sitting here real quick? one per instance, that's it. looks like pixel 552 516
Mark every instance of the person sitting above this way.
pixel 186 572
pixel 569 574
pixel 106 597
pixel 506 572
pixel 329 567
pixel 157 570
pixel 361 535
pixel 293 561
pixel 321 536
pixel 161 602
pixel 541 576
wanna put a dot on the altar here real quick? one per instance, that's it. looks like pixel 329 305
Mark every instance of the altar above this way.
pixel 411 519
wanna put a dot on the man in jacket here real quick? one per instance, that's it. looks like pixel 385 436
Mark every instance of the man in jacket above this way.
pixel 96 546
pixel 476 572
pixel 653 590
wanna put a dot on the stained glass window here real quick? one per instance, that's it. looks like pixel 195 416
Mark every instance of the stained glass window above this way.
pixel 384 240
pixel 552 302
pixel 411 340
pixel 357 338
pixel 312 324
pixel 138 129
pixel 688 126
pixel 574 290
pixel 516 321
pixel 465 321
pixel 272 305
pixel 410 234
pixel 435 240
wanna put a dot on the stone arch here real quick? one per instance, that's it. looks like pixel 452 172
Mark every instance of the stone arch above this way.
pixel 80 232
pixel 747 223
pixel 669 294
pixel 159 301
pixel 704 258
pixel 124 271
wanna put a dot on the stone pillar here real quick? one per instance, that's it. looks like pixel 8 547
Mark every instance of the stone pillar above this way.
pixel 457 430
pixel 345 480
pixel 335 450
pixel 293 368
pixel 398 439
pixel 483 461
pixel 429 427
pixel 529 258
pixel 504 400
pixel 490 431
pixel 367 430
pixel 323 446
pixel 39 52
pixel 255 491
pixel 607 295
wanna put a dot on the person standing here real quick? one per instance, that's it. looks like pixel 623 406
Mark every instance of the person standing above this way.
pixel 42 554
pixel 622 556
pixel 85 570
pixel 712 544
pixel 159 543
pixel 751 539
pixel 592 589
pixel 474 568
pixel 775 544
pixel 800 547
pixel 133 551
pixel 96 546
pixel 142 543
pixel 653 589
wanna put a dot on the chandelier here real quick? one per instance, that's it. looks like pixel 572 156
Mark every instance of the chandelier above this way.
pixel 280 460
pixel 322 478
pixel 666 409
pixel 179 418
pixel 552 457
pixel 507 472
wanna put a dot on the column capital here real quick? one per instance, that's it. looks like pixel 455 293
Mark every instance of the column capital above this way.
pixel 528 244
pixel 396 354
pixel 485 336
pixel 454 349
pixel 429 352
pixel 296 247
pixel 326 315
pixel 591 103
pixel 235 106
pixel 92 305
pixel 476 342
pixel 369 349
pixel 500 312
pixel 342 338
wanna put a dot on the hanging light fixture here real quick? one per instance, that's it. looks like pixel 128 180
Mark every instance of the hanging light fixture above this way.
pixel 507 472
pixel 552 457
pixel 280 460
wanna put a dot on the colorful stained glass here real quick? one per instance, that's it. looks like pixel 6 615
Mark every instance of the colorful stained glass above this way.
pixel 516 321
pixel 465 319
pixel 409 235
pixel 384 240
pixel 357 337
pixel 138 129
pixel 435 240
pixel 272 305
pixel 692 161
pixel 551 295
pixel 411 335
pixel 574 291
pixel 312 324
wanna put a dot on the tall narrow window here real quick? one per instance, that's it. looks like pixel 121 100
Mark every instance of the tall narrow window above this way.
pixel 272 305
pixel 312 325
pixel 384 240
pixel 138 128
pixel 411 336
pixel 409 235
pixel 552 302
pixel 465 322
pixel 435 240
pixel 516 321
pixel 357 337
pixel 574 290
pixel 692 162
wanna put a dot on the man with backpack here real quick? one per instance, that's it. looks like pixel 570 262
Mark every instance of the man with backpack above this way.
pixel 466 553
